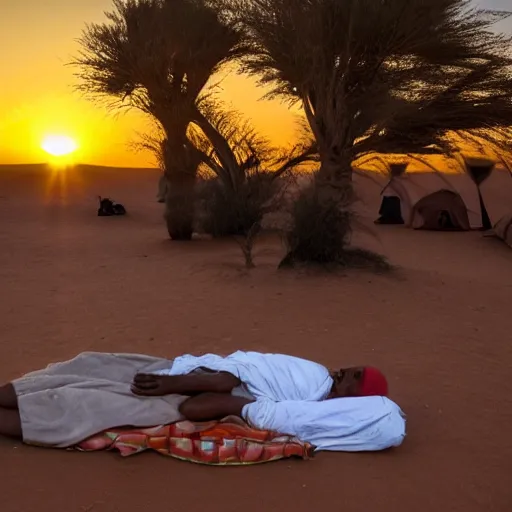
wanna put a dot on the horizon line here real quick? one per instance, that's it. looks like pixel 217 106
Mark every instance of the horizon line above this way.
pixel 78 164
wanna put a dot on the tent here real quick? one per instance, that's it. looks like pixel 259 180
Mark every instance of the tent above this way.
pixel 411 188
pixel 443 210
pixel 396 202
pixel 503 229
pixel 496 193
pixel 485 206
pixel 495 196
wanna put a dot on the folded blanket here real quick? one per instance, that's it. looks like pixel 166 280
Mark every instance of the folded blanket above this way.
pixel 69 401
pixel 227 442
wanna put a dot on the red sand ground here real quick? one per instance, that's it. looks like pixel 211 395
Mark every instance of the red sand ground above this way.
pixel 440 328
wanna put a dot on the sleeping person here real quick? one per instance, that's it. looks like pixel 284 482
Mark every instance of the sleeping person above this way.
pixel 70 401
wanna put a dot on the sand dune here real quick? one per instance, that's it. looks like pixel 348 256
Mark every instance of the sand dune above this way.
pixel 440 328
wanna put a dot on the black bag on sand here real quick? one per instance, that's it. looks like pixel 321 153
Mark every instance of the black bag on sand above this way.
pixel 108 208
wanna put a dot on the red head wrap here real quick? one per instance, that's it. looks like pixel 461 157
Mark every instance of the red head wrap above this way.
pixel 373 383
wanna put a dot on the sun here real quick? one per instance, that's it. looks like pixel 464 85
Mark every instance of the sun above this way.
pixel 59 145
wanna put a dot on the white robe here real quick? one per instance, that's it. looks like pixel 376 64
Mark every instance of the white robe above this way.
pixel 274 376
pixel 341 424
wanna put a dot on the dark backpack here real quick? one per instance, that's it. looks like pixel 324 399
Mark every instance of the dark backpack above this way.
pixel 108 208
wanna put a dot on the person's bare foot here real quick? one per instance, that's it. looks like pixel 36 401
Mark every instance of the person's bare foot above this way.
pixel 8 398
pixel 10 423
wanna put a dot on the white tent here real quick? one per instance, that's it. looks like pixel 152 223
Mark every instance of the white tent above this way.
pixel 496 193
pixel 410 188
pixel 503 229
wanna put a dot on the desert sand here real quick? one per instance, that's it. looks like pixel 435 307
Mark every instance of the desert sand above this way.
pixel 439 327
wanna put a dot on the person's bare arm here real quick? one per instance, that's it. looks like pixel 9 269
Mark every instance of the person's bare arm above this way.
pixel 190 384
pixel 213 406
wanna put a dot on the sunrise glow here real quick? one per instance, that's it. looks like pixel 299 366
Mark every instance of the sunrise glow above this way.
pixel 59 145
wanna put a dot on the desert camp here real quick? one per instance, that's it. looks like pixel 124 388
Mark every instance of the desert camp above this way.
pixel 273 235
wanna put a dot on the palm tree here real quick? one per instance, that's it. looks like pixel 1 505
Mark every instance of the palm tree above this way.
pixel 380 76
pixel 158 56
pixel 377 76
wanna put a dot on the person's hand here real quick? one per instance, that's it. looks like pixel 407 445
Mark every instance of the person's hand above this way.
pixel 148 384
pixel 145 384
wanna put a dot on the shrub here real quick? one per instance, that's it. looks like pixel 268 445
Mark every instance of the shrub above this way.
pixel 226 211
pixel 237 211
pixel 321 232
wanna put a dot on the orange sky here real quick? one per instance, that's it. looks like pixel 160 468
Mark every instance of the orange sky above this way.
pixel 37 98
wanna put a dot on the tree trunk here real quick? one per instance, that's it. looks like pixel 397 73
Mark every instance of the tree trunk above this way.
pixel 179 206
pixel 335 176
pixel 180 171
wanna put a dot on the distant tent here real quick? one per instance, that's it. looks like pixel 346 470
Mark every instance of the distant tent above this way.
pixel 443 210
pixel 485 191
pixel 390 211
pixel 496 193
pixel 503 229
pixel 414 186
